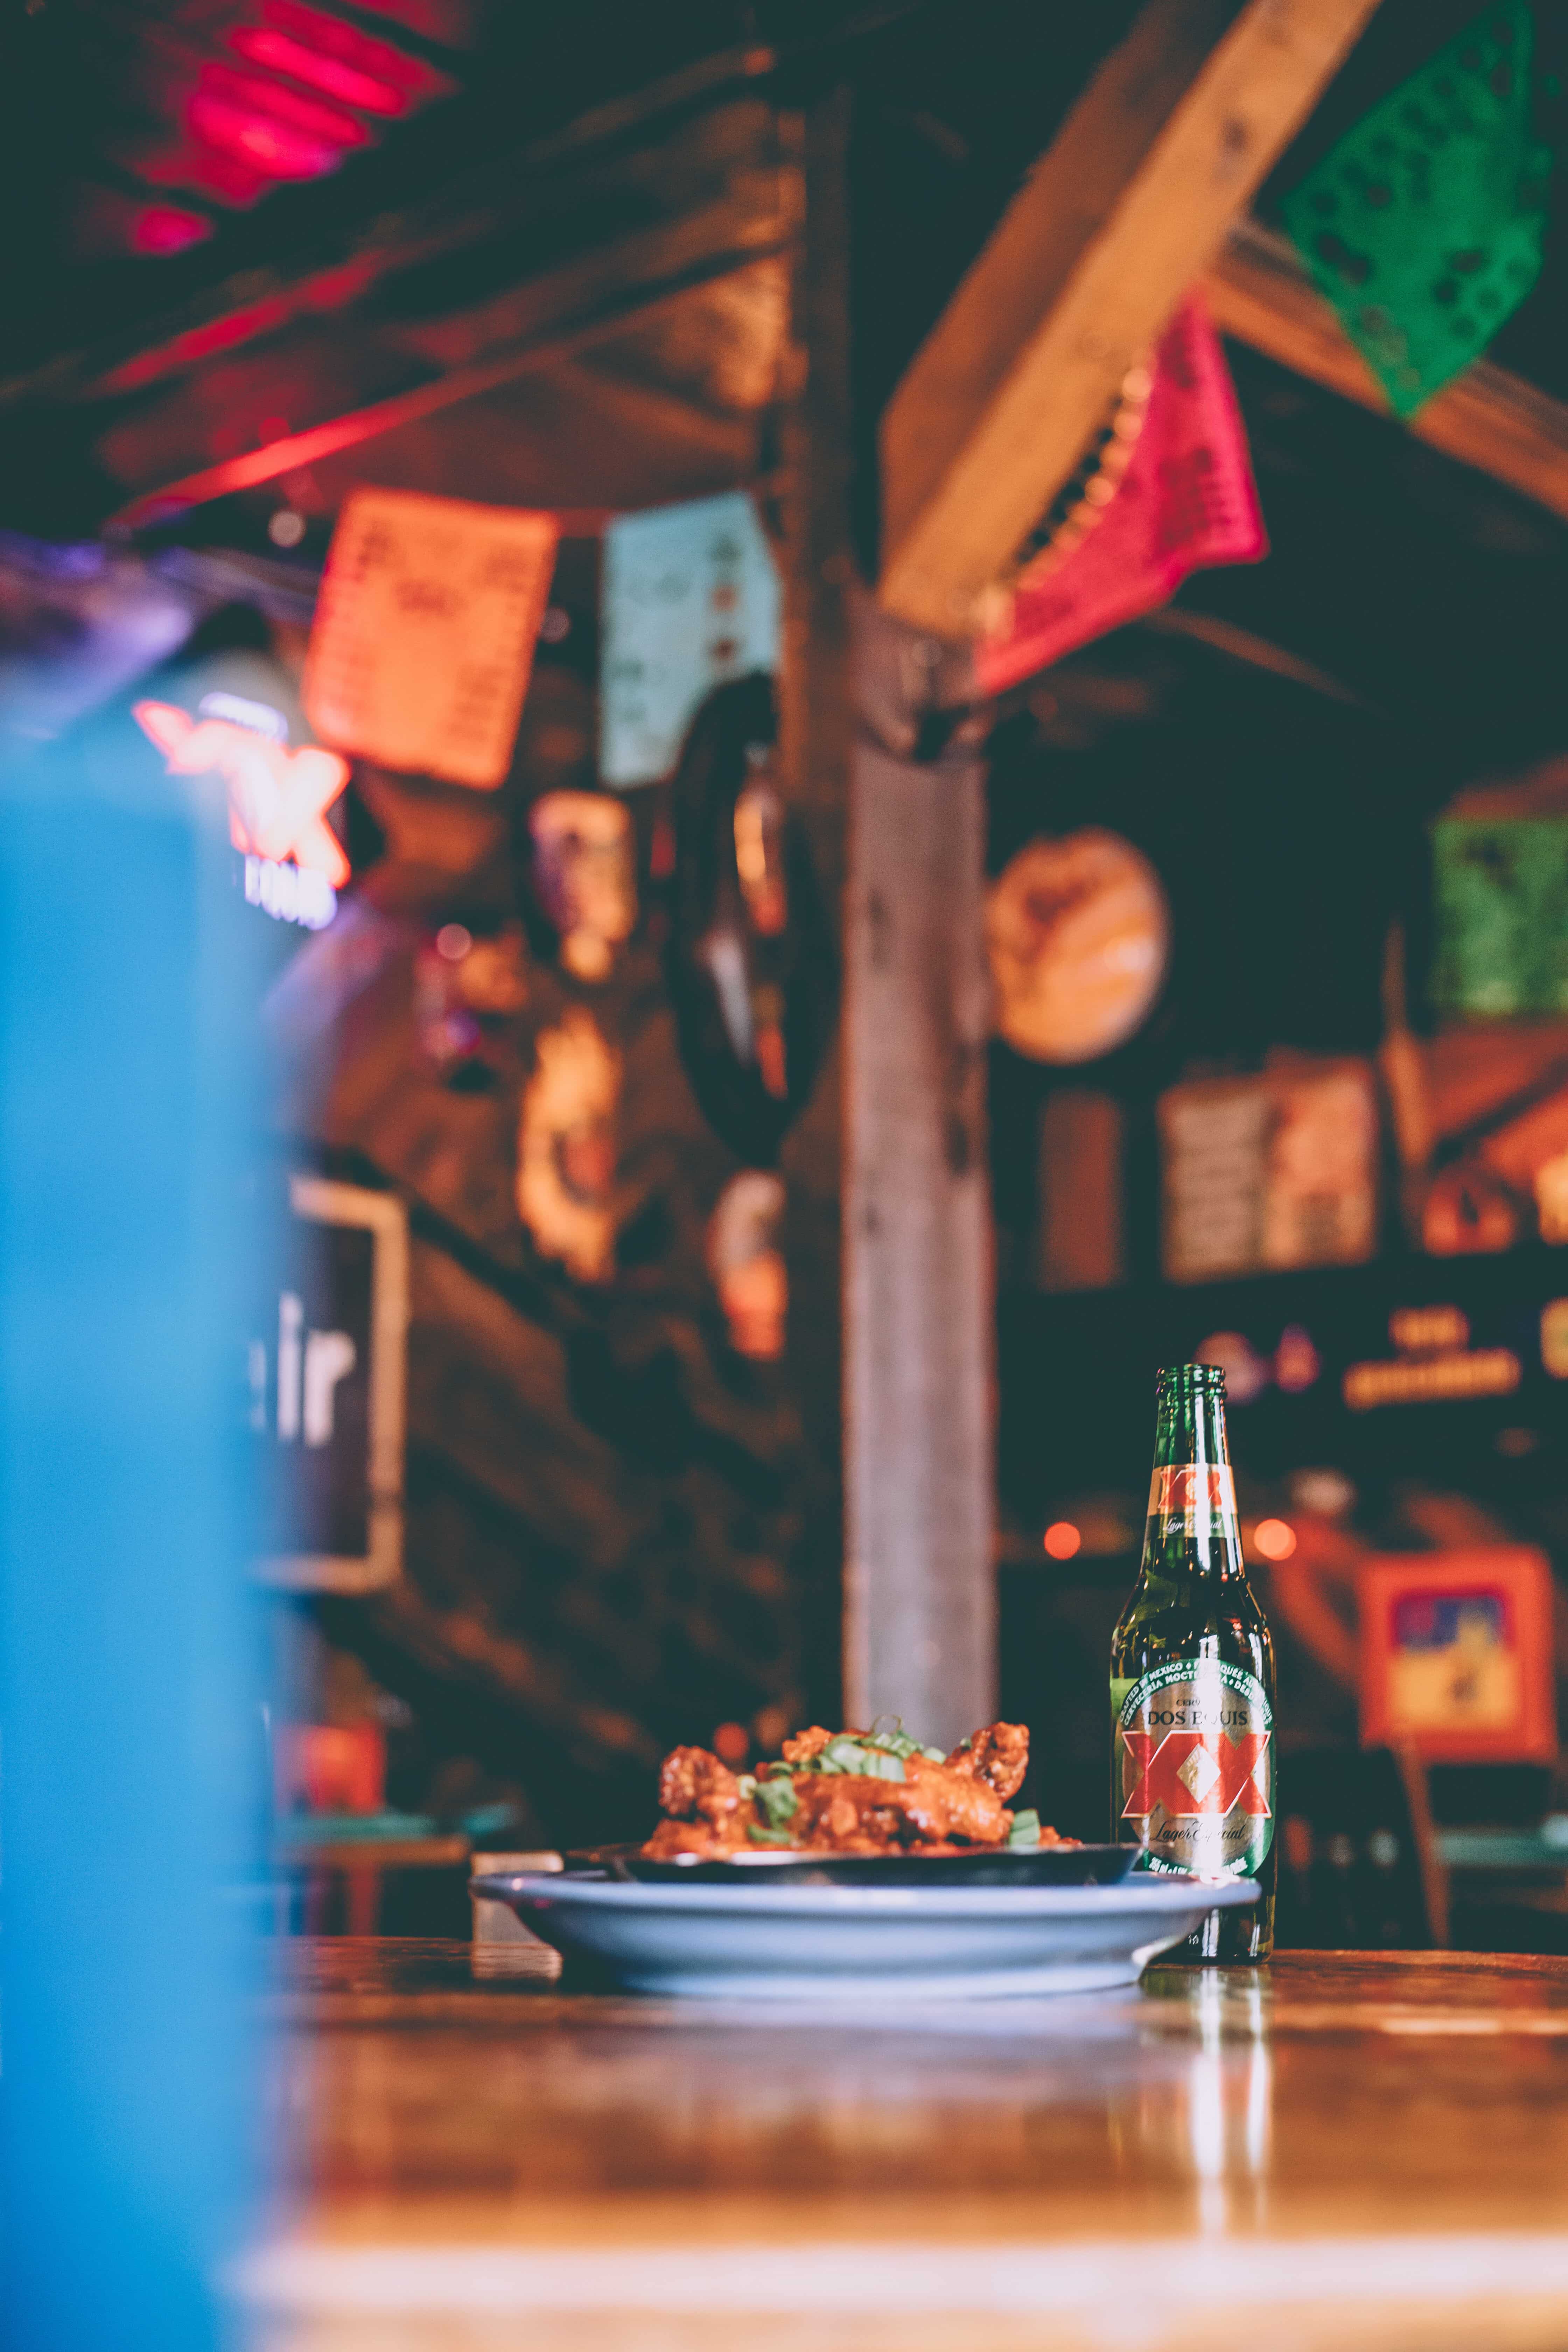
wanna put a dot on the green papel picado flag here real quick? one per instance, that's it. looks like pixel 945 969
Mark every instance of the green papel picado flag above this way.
pixel 1424 225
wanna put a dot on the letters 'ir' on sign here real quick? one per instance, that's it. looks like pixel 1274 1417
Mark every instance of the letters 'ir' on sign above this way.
pixel 425 633
pixel 326 1363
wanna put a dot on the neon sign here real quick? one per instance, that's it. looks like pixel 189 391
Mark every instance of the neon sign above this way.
pixel 277 799
pixel 289 894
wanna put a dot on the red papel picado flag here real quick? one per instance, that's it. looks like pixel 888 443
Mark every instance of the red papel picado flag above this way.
pixel 1187 501
pixel 1194 1772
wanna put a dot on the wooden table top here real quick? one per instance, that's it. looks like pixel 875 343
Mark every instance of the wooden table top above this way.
pixel 1345 2149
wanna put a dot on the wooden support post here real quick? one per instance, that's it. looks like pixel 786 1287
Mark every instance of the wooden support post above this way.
pixel 920 1610
pixel 1121 215
pixel 893 1142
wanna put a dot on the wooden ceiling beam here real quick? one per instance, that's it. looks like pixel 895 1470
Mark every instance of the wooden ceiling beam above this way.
pixel 645 409
pixel 315 444
pixel 1259 293
pixel 1125 210
pixel 507 195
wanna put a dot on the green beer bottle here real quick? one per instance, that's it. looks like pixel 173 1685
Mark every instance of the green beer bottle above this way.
pixel 1192 1679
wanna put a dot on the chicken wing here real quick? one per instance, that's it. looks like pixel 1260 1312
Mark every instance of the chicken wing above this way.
pixel 805 1745
pixel 694 1786
pixel 845 1792
pixel 999 1756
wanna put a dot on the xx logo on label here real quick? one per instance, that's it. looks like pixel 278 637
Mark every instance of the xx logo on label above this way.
pixel 1191 1772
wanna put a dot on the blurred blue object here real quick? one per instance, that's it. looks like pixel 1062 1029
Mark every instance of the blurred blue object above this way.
pixel 130 1800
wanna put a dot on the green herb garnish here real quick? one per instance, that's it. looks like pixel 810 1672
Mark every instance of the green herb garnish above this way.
pixel 878 1754
pixel 759 1836
pixel 858 1756
pixel 1025 1829
pixel 895 1742
pixel 777 1800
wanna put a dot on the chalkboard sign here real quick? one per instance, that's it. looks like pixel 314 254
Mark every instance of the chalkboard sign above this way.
pixel 1273 1171
pixel 326 1390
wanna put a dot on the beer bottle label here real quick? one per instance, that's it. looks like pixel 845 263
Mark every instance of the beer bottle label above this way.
pixel 1195 1748
pixel 1192 1498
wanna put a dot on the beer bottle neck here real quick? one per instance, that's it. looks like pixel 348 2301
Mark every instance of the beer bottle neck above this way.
pixel 1190 1428
pixel 1192 1527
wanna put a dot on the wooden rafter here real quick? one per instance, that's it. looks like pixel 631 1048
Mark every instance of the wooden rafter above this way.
pixel 317 442
pixel 1259 293
pixel 501 196
pixel 1124 211
pixel 666 258
pixel 634 405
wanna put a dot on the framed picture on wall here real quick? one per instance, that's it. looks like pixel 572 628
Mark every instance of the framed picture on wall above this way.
pixel 1457 1655
pixel 326 1390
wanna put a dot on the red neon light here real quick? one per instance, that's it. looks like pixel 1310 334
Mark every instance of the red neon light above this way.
pixel 274 101
pixel 277 799
pixel 332 289
pixel 273 129
pixel 192 167
pixel 448 22
pixel 198 343
pixel 269 148
pixel 167 228
pixel 279 54
pixel 330 36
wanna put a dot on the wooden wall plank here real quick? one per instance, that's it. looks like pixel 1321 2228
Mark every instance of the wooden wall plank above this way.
pixel 1259 293
pixel 1125 209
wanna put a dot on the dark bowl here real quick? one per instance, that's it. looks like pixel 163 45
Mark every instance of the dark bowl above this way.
pixel 1049 1866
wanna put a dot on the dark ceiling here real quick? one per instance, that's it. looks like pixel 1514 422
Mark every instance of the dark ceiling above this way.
pixel 158 149
pixel 366 186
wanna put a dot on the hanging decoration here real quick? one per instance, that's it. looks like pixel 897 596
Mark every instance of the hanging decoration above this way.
pixel 424 632
pixel 466 990
pixel 748 1265
pixel 1170 492
pixel 566 1147
pixel 1467 1211
pixel 1500 866
pixel 1079 934
pixel 585 876
pixel 691 600
pixel 1425 225
pixel 753 973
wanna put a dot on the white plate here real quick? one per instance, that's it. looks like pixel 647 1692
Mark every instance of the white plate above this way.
pixel 893 1943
